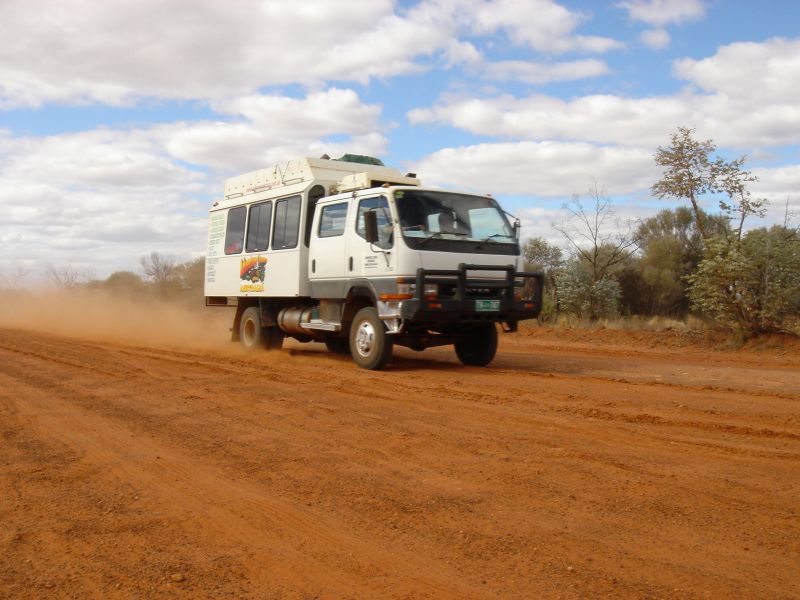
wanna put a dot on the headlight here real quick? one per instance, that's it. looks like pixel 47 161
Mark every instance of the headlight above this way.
pixel 406 291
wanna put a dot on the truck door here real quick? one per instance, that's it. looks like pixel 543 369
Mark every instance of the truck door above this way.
pixel 371 260
pixel 327 255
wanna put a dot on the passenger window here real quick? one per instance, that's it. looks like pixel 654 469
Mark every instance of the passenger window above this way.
pixel 287 222
pixel 385 229
pixel 234 230
pixel 258 227
pixel 332 220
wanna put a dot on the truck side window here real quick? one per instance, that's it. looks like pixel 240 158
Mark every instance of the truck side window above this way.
pixel 234 230
pixel 258 227
pixel 287 222
pixel 381 207
pixel 332 220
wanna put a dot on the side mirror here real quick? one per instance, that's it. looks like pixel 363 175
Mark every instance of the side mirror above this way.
pixel 517 227
pixel 371 226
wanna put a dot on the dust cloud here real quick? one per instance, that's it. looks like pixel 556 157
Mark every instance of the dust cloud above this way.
pixel 98 315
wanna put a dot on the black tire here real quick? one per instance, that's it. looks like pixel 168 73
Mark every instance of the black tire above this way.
pixel 253 336
pixel 338 345
pixel 370 345
pixel 273 337
pixel 478 347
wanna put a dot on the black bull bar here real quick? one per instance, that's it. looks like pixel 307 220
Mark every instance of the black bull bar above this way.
pixel 510 299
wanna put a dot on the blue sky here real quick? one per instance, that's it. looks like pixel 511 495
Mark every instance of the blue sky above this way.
pixel 120 121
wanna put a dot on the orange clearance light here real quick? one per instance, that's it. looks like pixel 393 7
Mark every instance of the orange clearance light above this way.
pixel 528 305
pixel 385 297
pixel 434 305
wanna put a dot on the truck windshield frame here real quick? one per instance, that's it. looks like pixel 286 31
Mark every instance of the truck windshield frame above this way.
pixel 451 222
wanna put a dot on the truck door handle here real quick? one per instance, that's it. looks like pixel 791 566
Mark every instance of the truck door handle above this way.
pixel 313 265
pixel 351 263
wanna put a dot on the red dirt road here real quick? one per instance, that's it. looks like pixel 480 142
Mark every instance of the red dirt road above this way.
pixel 570 468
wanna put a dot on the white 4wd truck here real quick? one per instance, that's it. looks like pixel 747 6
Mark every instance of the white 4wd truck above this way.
pixel 353 254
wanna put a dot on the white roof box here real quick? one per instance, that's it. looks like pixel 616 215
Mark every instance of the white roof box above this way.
pixel 344 175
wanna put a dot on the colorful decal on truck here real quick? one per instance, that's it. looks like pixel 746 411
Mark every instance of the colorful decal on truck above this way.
pixel 251 273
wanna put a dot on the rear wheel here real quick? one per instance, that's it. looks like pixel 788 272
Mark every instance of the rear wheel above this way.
pixel 252 335
pixel 479 346
pixel 370 346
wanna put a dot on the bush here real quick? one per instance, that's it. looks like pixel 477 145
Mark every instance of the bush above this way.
pixel 580 296
pixel 752 286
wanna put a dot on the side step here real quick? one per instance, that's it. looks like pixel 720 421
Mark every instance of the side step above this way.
pixel 321 325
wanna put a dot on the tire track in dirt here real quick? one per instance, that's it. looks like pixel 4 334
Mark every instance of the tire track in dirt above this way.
pixel 247 512
pixel 428 474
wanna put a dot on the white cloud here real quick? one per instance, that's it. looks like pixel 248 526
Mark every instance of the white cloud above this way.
pixel 600 119
pixel 750 102
pixel 117 53
pixel 545 169
pixel 273 127
pixel 781 187
pixel 540 24
pixel 540 73
pixel 766 72
pixel 657 39
pixel 662 12
pixel 94 199
pixel 100 199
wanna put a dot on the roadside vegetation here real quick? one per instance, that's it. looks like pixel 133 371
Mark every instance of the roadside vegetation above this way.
pixel 681 266
pixel 680 269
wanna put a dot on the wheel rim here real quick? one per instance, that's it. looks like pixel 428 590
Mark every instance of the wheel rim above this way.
pixel 365 338
pixel 249 333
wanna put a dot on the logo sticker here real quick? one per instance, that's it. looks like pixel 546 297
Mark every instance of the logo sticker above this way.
pixel 252 270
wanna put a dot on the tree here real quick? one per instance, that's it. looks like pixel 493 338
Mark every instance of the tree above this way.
pixel 124 283
pixel 161 271
pixel 600 242
pixel 733 180
pixel 653 283
pixel 191 279
pixel 11 281
pixel 64 276
pixel 690 172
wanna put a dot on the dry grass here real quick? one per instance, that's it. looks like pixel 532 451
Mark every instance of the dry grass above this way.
pixel 637 323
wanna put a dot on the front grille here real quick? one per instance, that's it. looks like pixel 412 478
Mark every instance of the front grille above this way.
pixel 448 292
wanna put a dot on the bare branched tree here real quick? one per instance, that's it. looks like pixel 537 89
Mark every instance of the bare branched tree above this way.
pixel 162 271
pixel 64 276
pixel 732 179
pixel 596 234
pixel 12 280
pixel 158 267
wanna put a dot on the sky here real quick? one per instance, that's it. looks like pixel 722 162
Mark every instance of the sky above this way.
pixel 119 121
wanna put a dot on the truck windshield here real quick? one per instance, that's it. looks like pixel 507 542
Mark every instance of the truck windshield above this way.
pixel 448 222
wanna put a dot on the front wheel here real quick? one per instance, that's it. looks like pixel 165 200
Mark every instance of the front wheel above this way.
pixel 370 346
pixel 479 346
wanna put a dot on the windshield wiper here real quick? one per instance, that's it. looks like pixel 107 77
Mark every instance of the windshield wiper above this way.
pixel 436 234
pixel 485 241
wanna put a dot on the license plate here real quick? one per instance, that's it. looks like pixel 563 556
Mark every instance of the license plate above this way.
pixel 487 305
